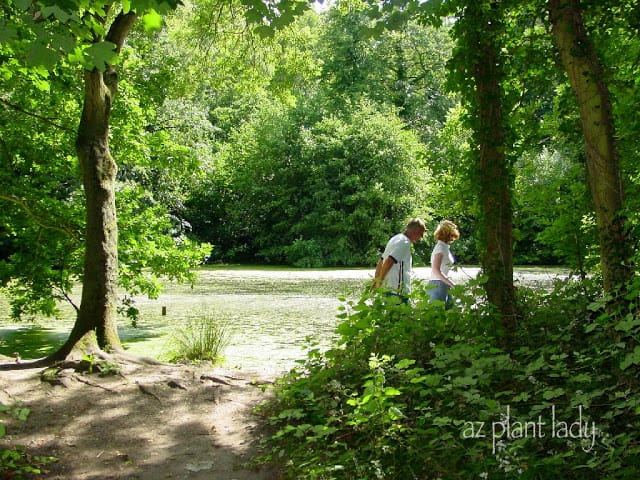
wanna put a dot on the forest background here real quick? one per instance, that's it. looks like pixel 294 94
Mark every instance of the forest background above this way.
pixel 308 148
pixel 245 132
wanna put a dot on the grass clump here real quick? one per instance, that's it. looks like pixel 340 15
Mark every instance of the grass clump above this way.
pixel 201 338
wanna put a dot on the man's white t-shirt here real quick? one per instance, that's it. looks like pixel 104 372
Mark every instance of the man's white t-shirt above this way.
pixel 447 258
pixel 398 278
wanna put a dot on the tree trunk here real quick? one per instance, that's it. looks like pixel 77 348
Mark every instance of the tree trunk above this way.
pixel 493 169
pixel 95 326
pixel 603 169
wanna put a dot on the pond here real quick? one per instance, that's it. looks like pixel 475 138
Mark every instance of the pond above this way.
pixel 270 312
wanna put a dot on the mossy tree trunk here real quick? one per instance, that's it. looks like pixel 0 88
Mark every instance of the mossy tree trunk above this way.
pixel 95 326
pixel 585 74
pixel 493 169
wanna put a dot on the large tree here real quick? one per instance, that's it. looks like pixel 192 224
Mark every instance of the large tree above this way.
pixel 586 75
pixel 93 34
pixel 481 37
pixel 98 30
pixel 98 307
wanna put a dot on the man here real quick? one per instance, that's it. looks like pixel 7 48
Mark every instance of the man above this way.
pixel 393 271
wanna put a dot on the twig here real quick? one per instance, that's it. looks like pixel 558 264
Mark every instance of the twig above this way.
pixel 87 382
pixel 144 389
pixel 23 204
pixel 35 115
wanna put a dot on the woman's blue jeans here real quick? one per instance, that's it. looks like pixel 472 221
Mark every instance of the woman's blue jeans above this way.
pixel 438 290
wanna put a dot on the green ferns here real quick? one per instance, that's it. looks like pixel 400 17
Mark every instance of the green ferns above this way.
pixel 417 392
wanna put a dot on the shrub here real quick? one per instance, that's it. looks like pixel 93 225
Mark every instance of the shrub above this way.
pixel 417 392
pixel 203 337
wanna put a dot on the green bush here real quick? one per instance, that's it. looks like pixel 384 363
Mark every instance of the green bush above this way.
pixel 203 337
pixel 417 392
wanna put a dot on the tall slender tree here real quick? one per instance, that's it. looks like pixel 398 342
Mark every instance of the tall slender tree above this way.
pixel 98 308
pixel 586 75
pixel 479 34
pixel 476 71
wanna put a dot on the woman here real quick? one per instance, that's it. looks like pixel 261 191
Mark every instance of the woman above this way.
pixel 441 263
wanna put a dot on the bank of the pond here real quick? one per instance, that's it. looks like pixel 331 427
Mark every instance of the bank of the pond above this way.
pixel 271 313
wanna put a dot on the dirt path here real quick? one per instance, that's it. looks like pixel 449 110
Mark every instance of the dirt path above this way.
pixel 161 422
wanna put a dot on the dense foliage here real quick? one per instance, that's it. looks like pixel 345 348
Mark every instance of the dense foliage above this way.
pixel 421 392
pixel 314 193
pixel 326 173
pixel 309 145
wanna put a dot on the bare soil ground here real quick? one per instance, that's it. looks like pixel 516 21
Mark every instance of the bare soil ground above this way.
pixel 149 422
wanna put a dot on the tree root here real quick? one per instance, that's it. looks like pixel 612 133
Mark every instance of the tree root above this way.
pixel 72 360
pixel 147 390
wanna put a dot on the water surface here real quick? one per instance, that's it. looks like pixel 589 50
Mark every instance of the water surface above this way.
pixel 270 313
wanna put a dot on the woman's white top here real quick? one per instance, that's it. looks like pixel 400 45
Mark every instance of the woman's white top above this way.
pixel 447 258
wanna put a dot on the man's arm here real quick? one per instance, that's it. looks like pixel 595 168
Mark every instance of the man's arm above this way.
pixel 382 268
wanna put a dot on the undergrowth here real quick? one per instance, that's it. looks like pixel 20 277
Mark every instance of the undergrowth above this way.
pixel 16 462
pixel 418 392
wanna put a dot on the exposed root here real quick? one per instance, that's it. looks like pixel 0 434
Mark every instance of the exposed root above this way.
pixel 91 384
pixel 146 389
pixel 127 358
pixel 75 360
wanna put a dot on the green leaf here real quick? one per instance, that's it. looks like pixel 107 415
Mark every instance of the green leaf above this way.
pixel 442 421
pixel 41 84
pixel 582 378
pixel 66 43
pixel 405 363
pixel 23 413
pixel 553 393
pixel 152 20
pixel 57 12
pixel 264 31
pixel 392 392
pixel 428 380
pixel 632 358
pixel 41 55
pixel 23 4
pixel 464 381
pixel 395 413
pixel 7 33
pixel 597 305
pixel 490 403
pixel 100 55
pixel 628 323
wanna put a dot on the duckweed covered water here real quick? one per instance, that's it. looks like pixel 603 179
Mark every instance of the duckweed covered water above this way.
pixel 268 312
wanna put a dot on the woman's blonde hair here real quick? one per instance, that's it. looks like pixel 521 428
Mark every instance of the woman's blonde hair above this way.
pixel 446 231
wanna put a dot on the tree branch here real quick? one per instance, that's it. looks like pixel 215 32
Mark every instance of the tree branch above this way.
pixel 35 115
pixel 120 29
pixel 23 204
